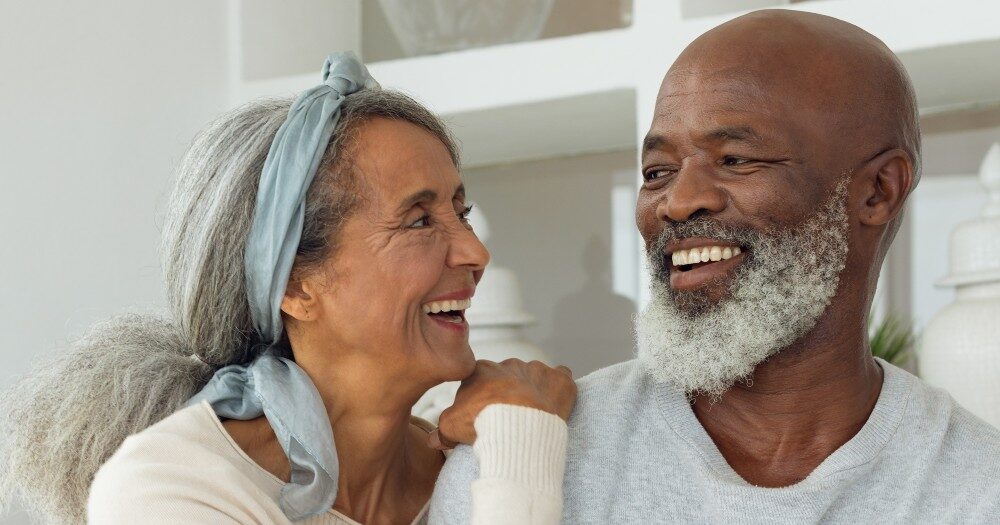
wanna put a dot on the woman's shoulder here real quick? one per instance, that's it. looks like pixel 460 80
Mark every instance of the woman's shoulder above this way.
pixel 181 469
pixel 192 435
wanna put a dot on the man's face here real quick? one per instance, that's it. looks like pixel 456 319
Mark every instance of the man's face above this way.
pixel 743 215
pixel 733 152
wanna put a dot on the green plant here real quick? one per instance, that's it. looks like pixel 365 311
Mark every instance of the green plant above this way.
pixel 892 340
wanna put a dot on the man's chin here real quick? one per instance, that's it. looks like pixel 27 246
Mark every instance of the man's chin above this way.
pixel 696 303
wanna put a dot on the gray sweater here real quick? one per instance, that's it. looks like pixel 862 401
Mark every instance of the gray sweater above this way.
pixel 637 454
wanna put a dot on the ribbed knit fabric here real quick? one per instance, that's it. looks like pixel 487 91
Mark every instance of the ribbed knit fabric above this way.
pixel 522 455
pixel 522 445
pixel 637 454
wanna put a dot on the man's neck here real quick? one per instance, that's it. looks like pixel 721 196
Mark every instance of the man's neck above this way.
pixel 802 405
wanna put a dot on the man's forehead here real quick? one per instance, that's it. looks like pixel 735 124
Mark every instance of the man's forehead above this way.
pixel 706 100
pixel 731 83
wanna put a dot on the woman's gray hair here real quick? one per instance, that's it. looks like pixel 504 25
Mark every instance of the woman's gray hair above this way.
pixel 60 424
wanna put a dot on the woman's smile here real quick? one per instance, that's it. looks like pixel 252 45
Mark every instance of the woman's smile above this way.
pixel 448 310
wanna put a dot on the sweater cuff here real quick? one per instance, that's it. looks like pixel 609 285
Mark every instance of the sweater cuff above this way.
pixel 523 445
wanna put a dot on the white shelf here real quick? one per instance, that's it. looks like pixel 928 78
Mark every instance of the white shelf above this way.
pixel 581 93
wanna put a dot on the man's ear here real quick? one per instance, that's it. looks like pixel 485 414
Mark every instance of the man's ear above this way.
pixel 300 300
pixel 886 182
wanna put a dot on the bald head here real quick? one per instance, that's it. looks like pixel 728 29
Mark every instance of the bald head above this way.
pixel 841 76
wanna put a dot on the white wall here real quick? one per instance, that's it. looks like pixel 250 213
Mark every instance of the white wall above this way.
pixel 957 151
pixel 551 223
pixel 98 101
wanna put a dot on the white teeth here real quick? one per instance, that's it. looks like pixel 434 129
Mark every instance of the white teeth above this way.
pixel 447 306
pixel 704 254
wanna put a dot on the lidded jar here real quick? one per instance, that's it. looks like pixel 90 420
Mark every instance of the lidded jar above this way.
pixel 960 347
pixel 496 321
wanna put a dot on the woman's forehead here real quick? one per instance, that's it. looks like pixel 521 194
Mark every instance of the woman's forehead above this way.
pixel 399 159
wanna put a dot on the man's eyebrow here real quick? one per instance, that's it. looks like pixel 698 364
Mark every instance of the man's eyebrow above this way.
pixel 737 133
pixel 420 196
pixel 652 142
pixel 460 192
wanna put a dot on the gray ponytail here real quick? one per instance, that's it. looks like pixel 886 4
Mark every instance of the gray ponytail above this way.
pixel 62 422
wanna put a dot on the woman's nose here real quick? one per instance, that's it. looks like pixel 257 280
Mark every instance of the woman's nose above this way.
pixel 468 251
pixel 693 191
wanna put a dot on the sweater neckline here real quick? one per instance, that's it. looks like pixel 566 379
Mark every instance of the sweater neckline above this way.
pixel 235 448
pixel 874 435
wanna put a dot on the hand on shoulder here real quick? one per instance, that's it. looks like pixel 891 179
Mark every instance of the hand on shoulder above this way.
pixel 512 382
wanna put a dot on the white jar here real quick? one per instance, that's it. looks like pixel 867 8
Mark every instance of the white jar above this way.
pixel 960 347
pixel 496 321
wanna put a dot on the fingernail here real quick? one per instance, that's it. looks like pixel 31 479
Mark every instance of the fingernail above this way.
pixel 434 440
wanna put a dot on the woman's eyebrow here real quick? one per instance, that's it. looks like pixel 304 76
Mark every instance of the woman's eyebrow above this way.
pixel 420 196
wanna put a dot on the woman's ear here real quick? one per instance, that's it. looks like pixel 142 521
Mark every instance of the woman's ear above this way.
pixel 886 182
pixel 298 302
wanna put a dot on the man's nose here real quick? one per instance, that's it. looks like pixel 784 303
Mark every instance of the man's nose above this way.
pixel 694 192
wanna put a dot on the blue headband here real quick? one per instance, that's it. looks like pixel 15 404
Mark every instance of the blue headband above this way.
pixel 272 385
pixel 288 171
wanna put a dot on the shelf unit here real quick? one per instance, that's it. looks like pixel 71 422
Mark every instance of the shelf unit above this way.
pixel 595 91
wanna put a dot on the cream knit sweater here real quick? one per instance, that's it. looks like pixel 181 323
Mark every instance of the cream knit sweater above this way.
pixel 187 469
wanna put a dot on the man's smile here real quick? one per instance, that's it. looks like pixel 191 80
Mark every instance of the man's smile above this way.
pixel 696 262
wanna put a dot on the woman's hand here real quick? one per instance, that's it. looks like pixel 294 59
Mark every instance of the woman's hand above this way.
pixel 512 382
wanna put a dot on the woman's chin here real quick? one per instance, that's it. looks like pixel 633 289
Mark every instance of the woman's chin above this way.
pixel 458 366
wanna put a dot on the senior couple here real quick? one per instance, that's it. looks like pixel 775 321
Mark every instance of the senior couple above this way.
pixel 319 261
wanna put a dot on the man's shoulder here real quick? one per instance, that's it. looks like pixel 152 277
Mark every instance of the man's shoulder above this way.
pixel 616 378
pixel 594 389
pixel 598 399
pixel 968 441
pixel 964 446
pixel 609 401
pixel 619 385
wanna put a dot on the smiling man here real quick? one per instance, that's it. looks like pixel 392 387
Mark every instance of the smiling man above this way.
pixel 775 173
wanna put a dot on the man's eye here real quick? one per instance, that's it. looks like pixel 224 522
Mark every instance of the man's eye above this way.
pixel 734 161
pixel 422 222
pixel 652 175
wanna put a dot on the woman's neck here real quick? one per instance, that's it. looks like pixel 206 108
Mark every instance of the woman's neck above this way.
pixel 387 472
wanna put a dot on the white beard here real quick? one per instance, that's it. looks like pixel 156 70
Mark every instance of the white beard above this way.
pixel 777 295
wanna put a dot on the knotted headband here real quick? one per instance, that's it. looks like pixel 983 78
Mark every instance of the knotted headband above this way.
pixel 271 385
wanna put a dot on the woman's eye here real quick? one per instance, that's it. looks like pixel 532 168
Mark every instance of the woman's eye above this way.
pixel 422 222
pixel 464 214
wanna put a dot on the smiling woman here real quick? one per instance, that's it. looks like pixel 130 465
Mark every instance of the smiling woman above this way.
pixel 318 263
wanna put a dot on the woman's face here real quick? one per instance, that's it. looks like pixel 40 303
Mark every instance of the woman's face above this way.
pixel 406 252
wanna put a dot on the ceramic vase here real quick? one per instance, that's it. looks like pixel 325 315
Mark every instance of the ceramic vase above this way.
pixel 496 322
pixel 960 347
